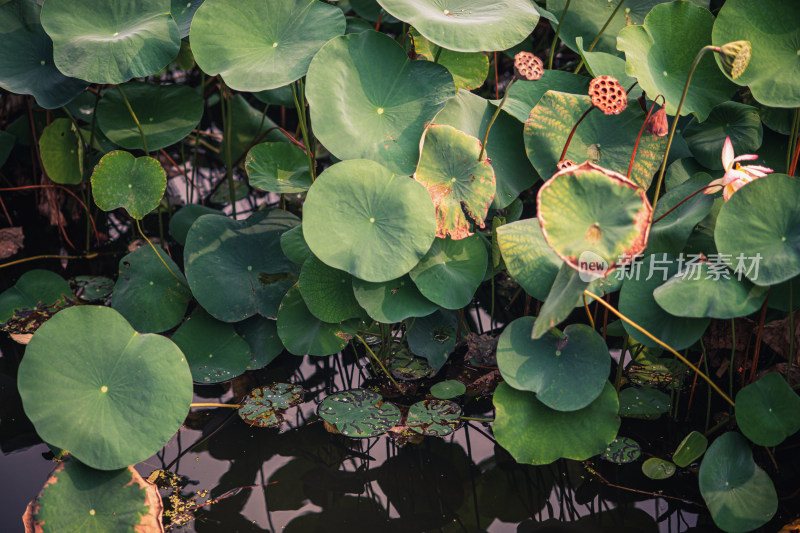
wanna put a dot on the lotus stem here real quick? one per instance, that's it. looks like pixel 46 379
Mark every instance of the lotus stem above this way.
pixel 641 130
pixel 791 336
pixel 227 125
pixel 588 313
pixel 135 118
pixel 299 104
pixel 91 255
pixel 555 38
pixel 662 344
pixel 676 206
pixel 437 54
pixel 494 117
pixel 388 375
pixel 476 419
pixel 621 364
pixel 696 62
pixel 158 254
pixel 733 355
pixel 759 333
pixel 572 132
pixel 600 33
pixel 793 164
pixel 204 404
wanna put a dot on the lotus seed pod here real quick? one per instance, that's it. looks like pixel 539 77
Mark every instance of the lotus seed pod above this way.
pixel 528 67
pixel 565 163
pixel 734 57
pixel 657 123
pixel 608 95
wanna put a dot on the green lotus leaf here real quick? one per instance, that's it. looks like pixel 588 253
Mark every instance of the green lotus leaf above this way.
pixel 136 387
pixel 31 69
pixel 761 219
pixel 739 494
pixel 359 413
pixel 368 100
pixel 302 333
pixel 262 336
pixel 214 350
pixel 392 301
pixel 772 73
pixel 535 434
pixel 637 302
pixel 529 260
pixel 79 498
pixel 468 25
pixel 147 295
pixel 469 69
pixel 573 210
pixel 434 336
pixel 768 410
pixel 250 126
pixel 607 140
pixel 91 288
pixel 451 271
pixel 328 292
pixel 166 113
pixel 281 96
pixel 785 295
pixel 294 245
pixel 434 418
pixel 62 152
pixel 524 95
pixel 223 193
pixel 587 20
pixel 261 45
pixel 513 172
pixel 361 218
pixel 407 367
pixel 182 12
pixel 236 269
pixel 661 67
pixel 278 167
pixel 34 287
pixel 567 289
pixel 567 373
pixel 264 406
pixel 182 220
pixel 622 450
pixel 729 119
pixel 709 290
pixel 670 233
pixel 450 170
pixel 656 468
pixel 445 390
pixel 643 402
pixel 691 448
pixel 111 42
pixel 133 183
pixel 605 64
pixel 682 170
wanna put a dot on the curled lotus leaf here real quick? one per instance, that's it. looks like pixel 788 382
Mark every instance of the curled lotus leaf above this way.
pixel 359 413
pixel 622 450
pixel 435 418
pixel 264 406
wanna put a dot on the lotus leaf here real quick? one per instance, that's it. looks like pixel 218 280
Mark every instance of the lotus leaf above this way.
pixel 278 167
pixel 91 288
pixel 469 69
pixel 32 288
pixel 529 260
pixel 622 450
pixel 359 413
pixel 133 183
pixel 768 410
pixel 62 152
pixel 605 64
pixel 264 406
pixel 643 402
pixel 302 333
pixel 733 120
pixel 392 301
pixel 524 95
pixel 673 227
pixel 434 336
pixel 435 418
pixel 449 274
pixel 691 448
pixel 262 336
pixel 445 390
pixel 567 289
pixel 183 218
pixel 407 367
pixel 328 292
pixel 656 468
pixel 183 11
pixel 294 245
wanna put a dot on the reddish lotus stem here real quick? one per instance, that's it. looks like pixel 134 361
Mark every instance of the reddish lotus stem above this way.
pixel 496 83
pixel 793 166
pixel 758 338
pixel 641 130
pixel 676 206
pixel 571 133
pixel 378 24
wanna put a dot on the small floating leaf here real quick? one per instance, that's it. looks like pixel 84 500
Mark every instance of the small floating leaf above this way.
pixel 644 402
pixel 264 406
pixel 444 390
pixel 656 468
pixel 359 413
pixel 33 287
pixel 690 449
pixel 622 450
pixel 435 418
pixel 404 365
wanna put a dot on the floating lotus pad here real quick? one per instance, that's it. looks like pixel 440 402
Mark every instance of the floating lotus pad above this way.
pixel 566 373
pixel 643 402
pixel 451 271
pixel 768 410
pixel 236 269
pixel 264 406
pixel 769 26
pixel 622 450
pixel 368 100
pixel 166 113
pixel 111 42
pixel 32 72
pixel 469 70
pixel 468 25
pixel 262 336
pixel 136 387
pixel 361 218
pixel 133 183
pixel 32 288
pixel 278 167
pixel 434 336
pixel 691 448
pixel 147 295
pixel 513 172
pixel 302 333
pixel 359 413
pixel 535 434
pixel 529 260
pixel 444 390
pixel 434 418
pixel 392 301
pixel 91 288
pixel 739 494
pixel 733 120
pixel 79 498
pixel 62 152
pixel 605 139
pixel 652 58
pixel 656 468
pixel 745 227
pixel 407 367
pixel 328 292
pixel 214 350
pixel 261 45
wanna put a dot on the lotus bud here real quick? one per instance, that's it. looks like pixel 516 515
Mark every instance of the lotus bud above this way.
pixel 608 95
pixel 734 57
pixel 657 123
pixel 528 67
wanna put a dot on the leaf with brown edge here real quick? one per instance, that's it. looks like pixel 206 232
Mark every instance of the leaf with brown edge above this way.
pixel 461 187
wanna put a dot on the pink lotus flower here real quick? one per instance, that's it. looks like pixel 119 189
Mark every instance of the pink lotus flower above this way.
pixel 736 175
